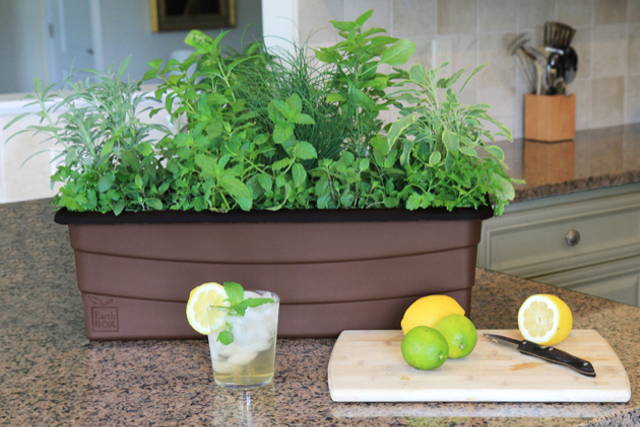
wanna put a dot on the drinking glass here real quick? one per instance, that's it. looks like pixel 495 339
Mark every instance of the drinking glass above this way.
pixel 249 360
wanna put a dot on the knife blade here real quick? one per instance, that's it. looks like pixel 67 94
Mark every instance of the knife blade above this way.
pixel 546 353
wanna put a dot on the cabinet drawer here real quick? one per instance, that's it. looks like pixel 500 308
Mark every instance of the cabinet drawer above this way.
pixel 618 280
pixel 567 236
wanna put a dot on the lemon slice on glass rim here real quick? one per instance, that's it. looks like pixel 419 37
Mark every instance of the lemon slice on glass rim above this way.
pixel 544 319
pixel 202 314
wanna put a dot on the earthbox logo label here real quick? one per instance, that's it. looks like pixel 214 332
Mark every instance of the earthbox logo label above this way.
pixel 103 318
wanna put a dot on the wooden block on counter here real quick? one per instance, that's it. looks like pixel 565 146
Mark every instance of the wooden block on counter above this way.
pixel 549 163
pixel 550 117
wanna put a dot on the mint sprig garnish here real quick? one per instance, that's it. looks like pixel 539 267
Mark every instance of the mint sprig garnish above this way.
pixel 238 305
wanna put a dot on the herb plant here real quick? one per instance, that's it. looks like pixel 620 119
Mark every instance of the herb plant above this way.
pixel 255 130
pixel 106 151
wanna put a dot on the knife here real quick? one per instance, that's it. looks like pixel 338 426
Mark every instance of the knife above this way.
pixel 549 354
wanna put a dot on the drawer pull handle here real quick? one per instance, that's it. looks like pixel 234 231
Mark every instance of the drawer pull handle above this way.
pixel 572 237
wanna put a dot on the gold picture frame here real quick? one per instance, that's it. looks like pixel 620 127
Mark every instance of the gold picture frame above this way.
pixel 184 15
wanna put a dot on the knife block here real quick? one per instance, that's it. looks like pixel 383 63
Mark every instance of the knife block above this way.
pixel 549 163
pixel 550 118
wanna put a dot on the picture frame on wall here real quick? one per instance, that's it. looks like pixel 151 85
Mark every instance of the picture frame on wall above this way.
pixel 184 15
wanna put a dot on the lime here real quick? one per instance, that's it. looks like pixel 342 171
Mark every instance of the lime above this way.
pixel 460 333
pixel 424 348
pixel 426 311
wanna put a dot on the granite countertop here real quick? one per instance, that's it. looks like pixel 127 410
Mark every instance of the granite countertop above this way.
pixel 596 158
pixel 51 374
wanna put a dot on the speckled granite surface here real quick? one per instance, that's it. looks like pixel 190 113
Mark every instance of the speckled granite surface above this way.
pixel 50 374
pixel 597 158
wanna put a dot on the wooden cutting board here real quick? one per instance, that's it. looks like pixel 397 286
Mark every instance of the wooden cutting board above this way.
pixel 367 366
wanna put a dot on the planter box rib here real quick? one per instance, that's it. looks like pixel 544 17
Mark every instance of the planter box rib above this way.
pixel 333 269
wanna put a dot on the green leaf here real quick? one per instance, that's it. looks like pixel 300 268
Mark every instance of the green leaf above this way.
pixel 506 191
pixel 107 148
pixel 468 151
pixel 234 291
pixel 164 187
pixel 344 25
pixel 206 164
pixel 393 171
pixel 360 20
pixel 241 307
pixel 434 158
pixel 450 141
pixel 358 97
pixel 398 53
pixel 346 199
pixel 145 148
pixel 240 192
pixel 335 97
pixel 154 64
pixel 118 207
pixel 282 132
pixel 123 67
pixel 299 174
pixel 380 83
pixel 283 108
pixel 105 182
pixel 380 148
pixel 328 55
pixel 265 181
pixel 323 201
pixel 225 337
pixel 295 103
pixel 204 43
pixel 495 151
pixel 305 151
pixel 155 204
pixel 281 164
pixel 407 146
pixel 398 127
pixel 470 76
pixel 138 181
pixel 417 73
pixel 413 202
pixel 304 119
pixel 257 302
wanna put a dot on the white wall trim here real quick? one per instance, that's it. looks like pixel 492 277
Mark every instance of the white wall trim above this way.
pixel 51 59
pixel 280 24
pixel 96 29
pixel 17 106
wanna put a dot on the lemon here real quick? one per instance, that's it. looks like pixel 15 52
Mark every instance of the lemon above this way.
pixel 426 311
pixel 460 333
pixel 544 319
pixel 424 348
pixel 202 314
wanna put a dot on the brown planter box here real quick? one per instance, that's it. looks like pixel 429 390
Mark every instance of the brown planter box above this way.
pixel 550 117
pixel 333 270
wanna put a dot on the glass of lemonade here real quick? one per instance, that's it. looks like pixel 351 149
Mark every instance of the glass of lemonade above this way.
pixel 249 360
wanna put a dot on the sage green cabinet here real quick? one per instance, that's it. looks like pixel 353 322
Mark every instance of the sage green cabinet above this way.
pixel 588 241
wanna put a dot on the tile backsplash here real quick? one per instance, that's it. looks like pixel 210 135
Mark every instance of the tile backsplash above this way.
pixel 466 33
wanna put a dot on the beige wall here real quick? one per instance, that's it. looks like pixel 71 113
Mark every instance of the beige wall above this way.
pixel 466 33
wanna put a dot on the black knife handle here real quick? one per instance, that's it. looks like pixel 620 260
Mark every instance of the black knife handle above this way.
pixel 553 355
